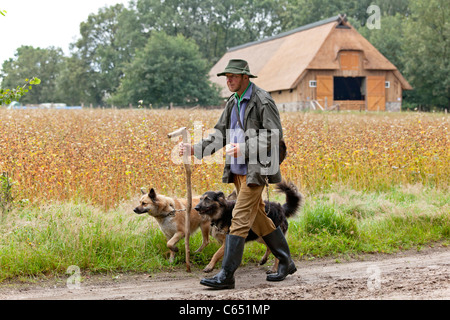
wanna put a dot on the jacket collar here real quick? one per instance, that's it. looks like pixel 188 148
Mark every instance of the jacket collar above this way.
pixel 250 104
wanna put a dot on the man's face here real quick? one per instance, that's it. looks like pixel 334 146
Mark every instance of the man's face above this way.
pixel 236 82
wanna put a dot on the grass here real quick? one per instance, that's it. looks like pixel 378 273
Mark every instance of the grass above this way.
pixel 46 240
pixel 353 222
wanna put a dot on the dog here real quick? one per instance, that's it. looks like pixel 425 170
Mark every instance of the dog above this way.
pixel 219 210
pixel 170 215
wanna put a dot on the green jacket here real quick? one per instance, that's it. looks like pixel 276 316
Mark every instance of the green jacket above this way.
pixel 263 131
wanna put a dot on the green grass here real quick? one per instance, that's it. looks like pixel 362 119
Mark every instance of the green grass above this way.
pixel 350 222
pixel 46 240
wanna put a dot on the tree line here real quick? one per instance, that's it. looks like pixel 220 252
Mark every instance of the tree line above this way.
pixel 160 51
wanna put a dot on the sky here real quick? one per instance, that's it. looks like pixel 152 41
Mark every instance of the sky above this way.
pixel 44 23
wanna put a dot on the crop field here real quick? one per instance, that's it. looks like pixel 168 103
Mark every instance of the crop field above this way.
pixel 373 183
pixel 106 156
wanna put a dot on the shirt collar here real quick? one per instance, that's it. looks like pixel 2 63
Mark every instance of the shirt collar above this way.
pixel 247 93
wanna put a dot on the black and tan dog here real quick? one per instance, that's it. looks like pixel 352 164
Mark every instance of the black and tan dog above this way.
pixel 170 215
pixel 219 210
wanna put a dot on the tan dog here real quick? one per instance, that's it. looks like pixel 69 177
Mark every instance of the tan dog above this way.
pixel 170 215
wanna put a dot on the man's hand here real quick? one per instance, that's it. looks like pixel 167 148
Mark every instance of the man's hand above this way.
pixel 185 147
pixel 233 150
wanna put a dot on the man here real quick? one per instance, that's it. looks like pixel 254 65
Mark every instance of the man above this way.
pixel 251 124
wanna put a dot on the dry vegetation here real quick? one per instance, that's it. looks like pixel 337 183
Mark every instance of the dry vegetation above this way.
pixel 369 151
pixel 106 156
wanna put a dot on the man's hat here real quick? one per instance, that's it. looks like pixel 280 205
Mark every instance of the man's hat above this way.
pixel 237 66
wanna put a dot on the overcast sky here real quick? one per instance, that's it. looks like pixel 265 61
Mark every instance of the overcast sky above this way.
pixel 44 23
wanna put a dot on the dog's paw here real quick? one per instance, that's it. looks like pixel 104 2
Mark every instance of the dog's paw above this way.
pixel 208 269
pixel 274 269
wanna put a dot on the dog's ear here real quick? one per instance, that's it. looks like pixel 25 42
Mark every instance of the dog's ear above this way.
pixel 152 194
pixel 220 197
pixel 143 191
pixel 219 194
pixel 232 196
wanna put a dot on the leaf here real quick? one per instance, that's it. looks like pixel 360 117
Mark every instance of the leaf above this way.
pixel 35 81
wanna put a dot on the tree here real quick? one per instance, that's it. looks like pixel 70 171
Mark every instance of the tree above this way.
pixel 214 25
pixel 45 64
pixel 110 38
pixel 427 50
pixel 298 13
pixel 108 41
pixel 389 39
pixel 169 69
pixel 75 84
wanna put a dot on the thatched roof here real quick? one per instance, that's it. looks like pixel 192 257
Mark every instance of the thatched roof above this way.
pixel 281 61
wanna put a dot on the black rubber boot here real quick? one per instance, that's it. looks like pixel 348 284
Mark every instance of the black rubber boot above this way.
pixel 279 247
pixel 234 248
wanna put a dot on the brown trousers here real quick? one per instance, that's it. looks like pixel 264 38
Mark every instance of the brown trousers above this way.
pixel 249 210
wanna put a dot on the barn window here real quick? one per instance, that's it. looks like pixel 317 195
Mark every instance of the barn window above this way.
pixel 387 84
pixel 312 83
pixel 349 88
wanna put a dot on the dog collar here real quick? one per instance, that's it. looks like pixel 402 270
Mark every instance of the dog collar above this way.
pixel 172 213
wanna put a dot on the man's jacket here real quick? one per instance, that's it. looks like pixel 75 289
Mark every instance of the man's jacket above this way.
pixel 263 131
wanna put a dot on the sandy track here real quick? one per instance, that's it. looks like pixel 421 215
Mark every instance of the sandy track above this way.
pixel 406 275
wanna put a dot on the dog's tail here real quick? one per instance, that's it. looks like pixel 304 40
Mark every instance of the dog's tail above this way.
pixel 294 199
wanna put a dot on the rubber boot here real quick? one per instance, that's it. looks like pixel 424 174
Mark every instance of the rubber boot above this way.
pixel 234 248
pixel 279 247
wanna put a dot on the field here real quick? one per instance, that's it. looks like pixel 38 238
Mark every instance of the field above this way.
pixel 373 182
pixel 106 156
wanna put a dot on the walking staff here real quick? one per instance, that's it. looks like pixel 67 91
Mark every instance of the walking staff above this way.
pixel 187 166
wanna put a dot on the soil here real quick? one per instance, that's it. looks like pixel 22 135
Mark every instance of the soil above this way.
pixel 413 274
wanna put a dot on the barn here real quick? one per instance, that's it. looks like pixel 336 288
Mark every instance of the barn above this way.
pixel 325 65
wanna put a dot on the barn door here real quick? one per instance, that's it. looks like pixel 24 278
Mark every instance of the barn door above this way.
pixel 325 90
pixel 376 98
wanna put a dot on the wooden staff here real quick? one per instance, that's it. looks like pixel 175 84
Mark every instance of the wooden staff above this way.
pixel 187 166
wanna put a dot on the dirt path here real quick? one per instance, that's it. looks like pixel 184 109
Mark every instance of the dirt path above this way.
pixel 407 275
